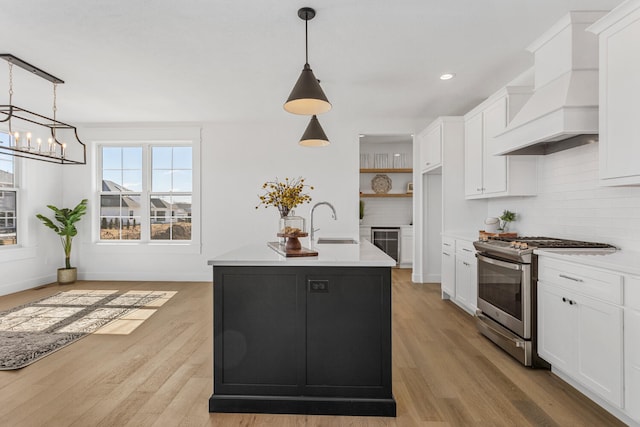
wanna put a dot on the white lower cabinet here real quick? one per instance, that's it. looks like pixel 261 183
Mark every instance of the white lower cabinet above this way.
pixel 406 246
pixel 632 347
pixel 466 276
pixel 580 326
pixel 632 357
pixel 459 274
pixel 448 271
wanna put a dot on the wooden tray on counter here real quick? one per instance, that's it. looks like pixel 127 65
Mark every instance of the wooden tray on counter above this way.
pixel 484 233
pixel 282 250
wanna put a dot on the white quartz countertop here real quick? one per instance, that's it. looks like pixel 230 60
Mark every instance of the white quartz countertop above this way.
pixel 469 236
pixel 622 261
pixel 363 254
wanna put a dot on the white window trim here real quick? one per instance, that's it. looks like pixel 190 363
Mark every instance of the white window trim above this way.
pixel 19 250
pixel 152 137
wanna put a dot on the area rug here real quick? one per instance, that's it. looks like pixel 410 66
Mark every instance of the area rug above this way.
pixel 33 331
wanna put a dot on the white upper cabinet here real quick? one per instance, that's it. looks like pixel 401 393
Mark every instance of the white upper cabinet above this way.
pixel 619 34
pixel 488 175
pixel 473 159
pixel 430 141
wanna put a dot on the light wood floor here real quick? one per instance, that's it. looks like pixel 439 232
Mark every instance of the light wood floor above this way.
pixel 444 373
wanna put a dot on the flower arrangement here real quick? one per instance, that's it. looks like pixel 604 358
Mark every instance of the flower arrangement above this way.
pixel 284 195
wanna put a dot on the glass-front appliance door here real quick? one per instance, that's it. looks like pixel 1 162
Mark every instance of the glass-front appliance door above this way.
pixel 504 293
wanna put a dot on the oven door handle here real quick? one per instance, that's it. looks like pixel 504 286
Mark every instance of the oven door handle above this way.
pixel 509 265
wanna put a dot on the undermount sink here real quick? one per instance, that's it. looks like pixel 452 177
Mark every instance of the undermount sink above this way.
pixel 337 241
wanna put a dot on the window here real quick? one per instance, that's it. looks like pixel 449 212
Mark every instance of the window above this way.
pixel 146 178
pixel 8 196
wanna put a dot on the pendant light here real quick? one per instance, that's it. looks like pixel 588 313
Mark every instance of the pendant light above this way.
pixel 307 97
pixel 314 135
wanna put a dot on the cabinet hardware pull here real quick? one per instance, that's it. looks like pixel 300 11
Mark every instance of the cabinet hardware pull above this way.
pixel 444 253
pixel 466 250
pixel 575 279
pixel 446 244
pixel 466 263
pixel 572 302
pixel 564 299
pixel 478 189
pixel 427 163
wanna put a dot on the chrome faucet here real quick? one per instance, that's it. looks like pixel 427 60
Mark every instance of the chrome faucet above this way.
pixel 333 215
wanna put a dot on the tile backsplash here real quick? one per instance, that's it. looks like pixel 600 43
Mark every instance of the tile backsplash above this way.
pixel 387 212
pixel 570 203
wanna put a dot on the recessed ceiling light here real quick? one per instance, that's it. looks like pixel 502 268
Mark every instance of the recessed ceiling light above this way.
pixel 447 76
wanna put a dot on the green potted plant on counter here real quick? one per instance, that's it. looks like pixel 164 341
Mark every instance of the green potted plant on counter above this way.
pixel 361 211
pixel 506 218
pixel 65 228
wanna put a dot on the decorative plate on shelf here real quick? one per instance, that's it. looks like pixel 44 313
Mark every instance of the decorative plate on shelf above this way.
pixel 381 184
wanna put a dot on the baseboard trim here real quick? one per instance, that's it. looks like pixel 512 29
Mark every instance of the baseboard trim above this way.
pixel 303 405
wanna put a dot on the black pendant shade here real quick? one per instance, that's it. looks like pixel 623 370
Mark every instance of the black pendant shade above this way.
pixel 314 135
pixel 307 97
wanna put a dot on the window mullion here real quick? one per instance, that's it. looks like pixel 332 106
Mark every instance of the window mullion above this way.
pixel 145 207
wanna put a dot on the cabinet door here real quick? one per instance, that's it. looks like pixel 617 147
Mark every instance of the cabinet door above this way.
pixel 557 327
pixel 406 249
pixel 599 347
pixel 431 145
pixel 473 155
pixel 632 357
pixel 620 91
pixel 464 282
pixel 448 275
pixel 494 171
pixel 344 324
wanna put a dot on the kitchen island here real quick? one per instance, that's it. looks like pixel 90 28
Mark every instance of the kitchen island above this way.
pixel 303 335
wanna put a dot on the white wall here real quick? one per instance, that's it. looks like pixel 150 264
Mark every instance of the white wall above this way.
pixel 571 204
pixel 235 159
pixel 38 254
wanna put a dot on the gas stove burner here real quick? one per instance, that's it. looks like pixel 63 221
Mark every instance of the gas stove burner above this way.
pixel 550 242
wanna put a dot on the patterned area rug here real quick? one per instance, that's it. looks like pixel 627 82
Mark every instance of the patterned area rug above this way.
pixel 33 331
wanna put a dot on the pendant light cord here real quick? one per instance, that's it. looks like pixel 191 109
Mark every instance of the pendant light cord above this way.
pixel 306 40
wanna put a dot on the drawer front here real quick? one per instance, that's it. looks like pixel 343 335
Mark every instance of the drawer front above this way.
pixel 448 244
pixel 465 247
pixel 601 284
pixel 632 292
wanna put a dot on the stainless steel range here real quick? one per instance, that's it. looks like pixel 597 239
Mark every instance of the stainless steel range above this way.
pixel 507 290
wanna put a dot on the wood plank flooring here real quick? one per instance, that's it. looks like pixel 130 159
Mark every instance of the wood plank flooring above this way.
pixel 444 372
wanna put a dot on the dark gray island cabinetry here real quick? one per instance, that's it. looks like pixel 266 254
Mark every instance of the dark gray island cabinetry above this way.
pixel 304 336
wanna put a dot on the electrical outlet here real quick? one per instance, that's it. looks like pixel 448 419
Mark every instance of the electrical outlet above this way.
pixel 318 286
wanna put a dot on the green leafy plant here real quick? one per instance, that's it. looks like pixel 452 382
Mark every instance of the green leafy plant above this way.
pixel 65 228
pixel 506 217
pixel 361 209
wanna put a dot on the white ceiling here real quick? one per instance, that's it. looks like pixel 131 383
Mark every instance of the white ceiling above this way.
pixel 232 60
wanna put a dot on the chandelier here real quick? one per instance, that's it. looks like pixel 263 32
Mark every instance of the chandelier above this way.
pixel 36 136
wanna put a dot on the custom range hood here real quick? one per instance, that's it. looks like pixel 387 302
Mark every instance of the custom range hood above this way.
pixel 562 113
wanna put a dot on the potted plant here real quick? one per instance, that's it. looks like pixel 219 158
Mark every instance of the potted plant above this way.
pixel 66 229
pixel 361 210
pixel 506 217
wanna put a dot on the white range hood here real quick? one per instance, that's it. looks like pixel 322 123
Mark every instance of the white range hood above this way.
pixel 563 111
